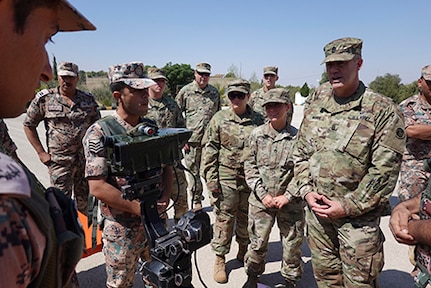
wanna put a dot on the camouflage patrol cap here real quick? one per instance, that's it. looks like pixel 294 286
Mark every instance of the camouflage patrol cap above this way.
pixel 156 73
pixel 343 49
pixel 71 19
pixel 238 85
pixel 131 74
pixel 203 68
pixel 270 70
pixel 67 69
pixel 276 95
pixel 426 73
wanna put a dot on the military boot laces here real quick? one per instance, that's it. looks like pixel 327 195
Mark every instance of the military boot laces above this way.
pixel 220 269
pixel 251 282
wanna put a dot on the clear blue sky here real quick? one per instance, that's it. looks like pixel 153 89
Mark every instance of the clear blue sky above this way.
pixel 251 34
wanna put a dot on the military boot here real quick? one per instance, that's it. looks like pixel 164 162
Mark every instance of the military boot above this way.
pixel 241 253
pixel 251 282
pixel 220 269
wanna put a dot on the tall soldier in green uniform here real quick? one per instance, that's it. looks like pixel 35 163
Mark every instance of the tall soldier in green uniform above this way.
pixel 223 171
pixel 67 112
pixel 268 171
pixel 28 251
pixel 347 158
pixel 199 101
pixel 166 113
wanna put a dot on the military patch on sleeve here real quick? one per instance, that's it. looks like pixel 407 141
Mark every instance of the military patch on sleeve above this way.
pixel 95 146
pixel 13 179
pixel 400 133
pixel 42 93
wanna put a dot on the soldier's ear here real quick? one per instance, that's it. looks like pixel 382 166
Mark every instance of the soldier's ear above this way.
pixel 116 94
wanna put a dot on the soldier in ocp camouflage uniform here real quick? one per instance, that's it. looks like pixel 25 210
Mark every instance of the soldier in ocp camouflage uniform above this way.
pixel 166 113
pixel 268 171
pixel 257 98
pixel 199 101
pixel 67 113
pixel 347 158
pixel 417 117
pixel 223 171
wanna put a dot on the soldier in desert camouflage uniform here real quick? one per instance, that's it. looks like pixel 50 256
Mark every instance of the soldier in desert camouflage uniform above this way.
pixel 347 158
pixel 67 113
pixel 8 146
pixel 268 171
pixel 223 171
pixel 199 101
pixel 28 256
pixel 413 178
pixel 166 113
pixel 124 238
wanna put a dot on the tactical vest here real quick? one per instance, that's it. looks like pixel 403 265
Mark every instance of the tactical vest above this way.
pixel 64 241
pixel 422 251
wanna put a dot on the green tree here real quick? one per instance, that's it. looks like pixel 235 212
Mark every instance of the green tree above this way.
pixel 232 72
pixel 54 68
pixel 388 85
pixel 305 90
pixel 103 95
pixel 178 75
pixel 324 78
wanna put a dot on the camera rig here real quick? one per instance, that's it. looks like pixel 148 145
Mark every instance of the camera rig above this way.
pixel 138 156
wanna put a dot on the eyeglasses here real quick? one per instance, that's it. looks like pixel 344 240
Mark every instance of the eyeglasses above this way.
pixel 268 76
pixel 203 74
pixel 232 96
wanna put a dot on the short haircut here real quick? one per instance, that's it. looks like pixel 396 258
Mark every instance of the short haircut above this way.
pixel 117 86
pixel 23 8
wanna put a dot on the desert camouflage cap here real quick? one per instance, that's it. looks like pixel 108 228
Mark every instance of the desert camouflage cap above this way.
pixel 343 49
pixel 276 95
pixel 426 73
pixel 71 19
pixel 131 74
pixel 238 85
pixel 203 68
pixel 270 70
pixel 67 69
pixel 156 73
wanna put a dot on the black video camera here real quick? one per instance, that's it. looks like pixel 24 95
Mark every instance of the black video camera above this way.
pixel 138 156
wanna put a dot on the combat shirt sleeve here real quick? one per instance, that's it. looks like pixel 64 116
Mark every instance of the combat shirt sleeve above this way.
pixel 377 185
pixel 94 151
pixel 210 157
pixel 251 170
pixel 409 113
pixel 35 111
pixel 301 183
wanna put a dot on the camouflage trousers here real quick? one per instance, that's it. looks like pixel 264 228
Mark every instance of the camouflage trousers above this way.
pixel 345 252
pixel 412 180
pixel 123 244
pixel 68 176
pixel 290 221
pixel 230 208
pixel 179 194
pixel 192 160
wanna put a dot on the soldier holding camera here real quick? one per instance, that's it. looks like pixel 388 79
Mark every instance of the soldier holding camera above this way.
pixel 124 238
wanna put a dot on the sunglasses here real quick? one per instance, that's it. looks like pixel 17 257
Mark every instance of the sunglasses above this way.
pixel 232 96
pixel 203 74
